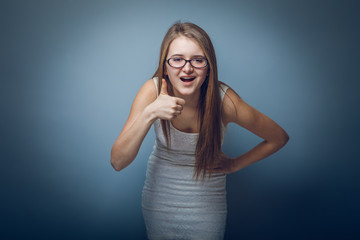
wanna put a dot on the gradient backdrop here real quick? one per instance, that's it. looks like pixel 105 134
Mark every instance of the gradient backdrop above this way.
pixel 70 70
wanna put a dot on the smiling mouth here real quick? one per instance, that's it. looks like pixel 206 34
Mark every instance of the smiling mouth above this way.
pixel 187 79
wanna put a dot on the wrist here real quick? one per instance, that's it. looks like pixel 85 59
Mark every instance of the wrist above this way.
pixel 150 114
pixel 237 164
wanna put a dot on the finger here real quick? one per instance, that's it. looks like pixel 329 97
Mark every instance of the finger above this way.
pixel 164 87
pixel 179 107
pixel 175 114
pixel 180 101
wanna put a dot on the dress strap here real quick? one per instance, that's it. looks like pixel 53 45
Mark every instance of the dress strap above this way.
pixel 223 89
pixel 156 81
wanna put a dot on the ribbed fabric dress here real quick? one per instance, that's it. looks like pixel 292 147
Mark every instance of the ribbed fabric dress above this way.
pixel 174 205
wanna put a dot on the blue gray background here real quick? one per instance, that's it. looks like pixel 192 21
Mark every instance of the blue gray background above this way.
pixel 70 70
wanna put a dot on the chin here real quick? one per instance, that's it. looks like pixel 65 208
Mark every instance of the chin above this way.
pixel 186 93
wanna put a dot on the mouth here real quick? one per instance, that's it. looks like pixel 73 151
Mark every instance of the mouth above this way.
pixel 187 79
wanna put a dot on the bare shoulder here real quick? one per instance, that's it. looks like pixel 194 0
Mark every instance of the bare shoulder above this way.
pixel 147 92
pixel 235 109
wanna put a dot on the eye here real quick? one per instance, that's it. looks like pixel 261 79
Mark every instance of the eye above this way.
pixel 177 59
pixel 198 60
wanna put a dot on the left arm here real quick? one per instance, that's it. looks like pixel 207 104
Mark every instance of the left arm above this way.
pixel 236 110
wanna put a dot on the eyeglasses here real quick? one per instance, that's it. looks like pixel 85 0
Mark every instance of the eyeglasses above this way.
pixel 179 62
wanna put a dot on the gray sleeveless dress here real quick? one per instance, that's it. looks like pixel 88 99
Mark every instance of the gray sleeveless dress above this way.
pixel 174 205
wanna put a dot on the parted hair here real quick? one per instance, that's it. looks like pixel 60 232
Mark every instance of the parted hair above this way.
pixel 208 147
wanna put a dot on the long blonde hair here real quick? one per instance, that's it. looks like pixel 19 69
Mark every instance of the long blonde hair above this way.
pixel 208 148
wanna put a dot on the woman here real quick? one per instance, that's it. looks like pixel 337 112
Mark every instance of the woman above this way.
pixel 184 194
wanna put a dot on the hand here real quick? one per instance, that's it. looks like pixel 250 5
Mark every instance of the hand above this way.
pixel 167 107
pixel 225 165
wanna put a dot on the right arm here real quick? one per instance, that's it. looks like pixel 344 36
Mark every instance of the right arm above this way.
pixel 145 109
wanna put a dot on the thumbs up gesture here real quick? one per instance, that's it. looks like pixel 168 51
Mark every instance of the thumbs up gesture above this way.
pixel 167 107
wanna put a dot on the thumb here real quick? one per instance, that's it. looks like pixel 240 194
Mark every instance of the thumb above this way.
pixel 164 87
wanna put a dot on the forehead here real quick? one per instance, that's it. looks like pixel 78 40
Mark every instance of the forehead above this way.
pixel 185 46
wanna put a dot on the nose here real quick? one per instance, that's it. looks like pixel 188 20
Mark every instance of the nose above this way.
pixel 187 68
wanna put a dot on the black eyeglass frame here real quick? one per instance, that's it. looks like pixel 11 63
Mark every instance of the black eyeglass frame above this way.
pixel 186 61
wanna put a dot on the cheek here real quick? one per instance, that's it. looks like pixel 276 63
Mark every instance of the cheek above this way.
pixel 203 74
pixel 173 72
pixel 171 75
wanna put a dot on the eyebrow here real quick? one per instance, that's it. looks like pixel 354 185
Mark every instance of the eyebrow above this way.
pixel 193 56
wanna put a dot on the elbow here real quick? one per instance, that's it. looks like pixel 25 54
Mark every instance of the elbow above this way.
pixel 120 160
pixel 115 162
pixel 115 165
pixel 285 138
pixel 280 141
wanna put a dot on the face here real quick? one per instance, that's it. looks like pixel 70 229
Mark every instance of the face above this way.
pixel 186 80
